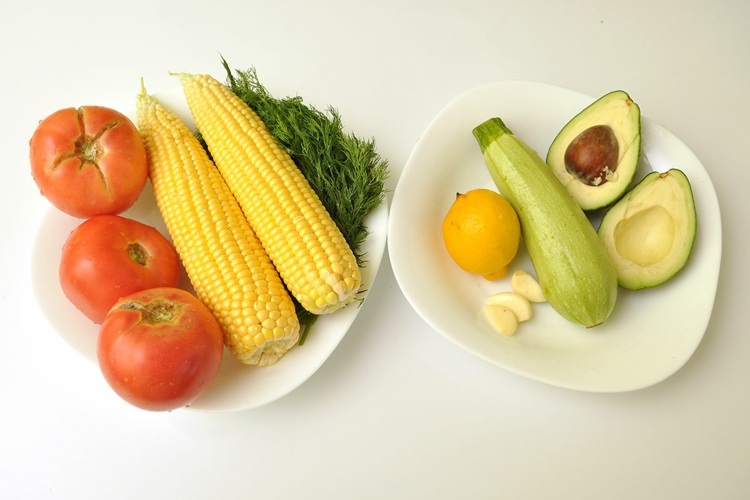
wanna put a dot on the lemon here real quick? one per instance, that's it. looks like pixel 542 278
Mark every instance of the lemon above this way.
pixel 482 233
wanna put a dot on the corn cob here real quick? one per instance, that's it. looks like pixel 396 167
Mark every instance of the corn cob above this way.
pixel 304 243
pixel 223 258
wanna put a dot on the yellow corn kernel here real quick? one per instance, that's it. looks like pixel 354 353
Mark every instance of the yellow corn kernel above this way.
pixel 225 262
pixel 304 243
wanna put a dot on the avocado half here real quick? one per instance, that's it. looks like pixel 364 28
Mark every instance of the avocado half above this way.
pixel 650 232
pixel 595 155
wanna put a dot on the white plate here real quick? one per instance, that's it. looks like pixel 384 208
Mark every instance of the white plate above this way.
pixel 650 334
pixel 237 386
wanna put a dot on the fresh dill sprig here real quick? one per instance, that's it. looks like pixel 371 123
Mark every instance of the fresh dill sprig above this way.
pixel 345 171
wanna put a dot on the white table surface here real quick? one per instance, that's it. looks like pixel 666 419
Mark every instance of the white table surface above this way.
pixel 397 411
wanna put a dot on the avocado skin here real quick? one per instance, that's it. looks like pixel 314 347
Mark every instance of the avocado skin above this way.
pixel 650 233
pixel 619 112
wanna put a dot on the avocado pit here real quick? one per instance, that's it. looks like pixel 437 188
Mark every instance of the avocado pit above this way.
pixel 592 156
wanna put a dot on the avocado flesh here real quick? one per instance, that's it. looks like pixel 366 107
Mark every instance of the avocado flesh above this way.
pixel 649 233
pixel 616 112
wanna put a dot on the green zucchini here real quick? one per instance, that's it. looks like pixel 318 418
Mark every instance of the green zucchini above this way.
pixel 570 261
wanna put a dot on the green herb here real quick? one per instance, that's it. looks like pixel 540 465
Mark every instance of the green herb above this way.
pixel 345 171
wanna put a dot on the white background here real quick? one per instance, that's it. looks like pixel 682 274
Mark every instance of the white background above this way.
pixel 397 411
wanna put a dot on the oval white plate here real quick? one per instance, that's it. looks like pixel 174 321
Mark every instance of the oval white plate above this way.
pixel 650 334
pixel 237 386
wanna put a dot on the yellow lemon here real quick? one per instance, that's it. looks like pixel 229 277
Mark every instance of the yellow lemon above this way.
pixel 481 232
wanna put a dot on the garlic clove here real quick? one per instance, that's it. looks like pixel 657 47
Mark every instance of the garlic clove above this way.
pixel 524 284
pixel 516 302
pixel 500 318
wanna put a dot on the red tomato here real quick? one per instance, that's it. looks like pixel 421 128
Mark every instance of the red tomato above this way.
pixel 108 257
pixel 88 161
pixel 160 349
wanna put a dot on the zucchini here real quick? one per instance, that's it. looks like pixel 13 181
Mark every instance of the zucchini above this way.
pixel 570 261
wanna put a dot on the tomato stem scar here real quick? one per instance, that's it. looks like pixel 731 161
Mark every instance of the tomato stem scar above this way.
pixel 139 254
pixel 87 149
pixel 155 312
